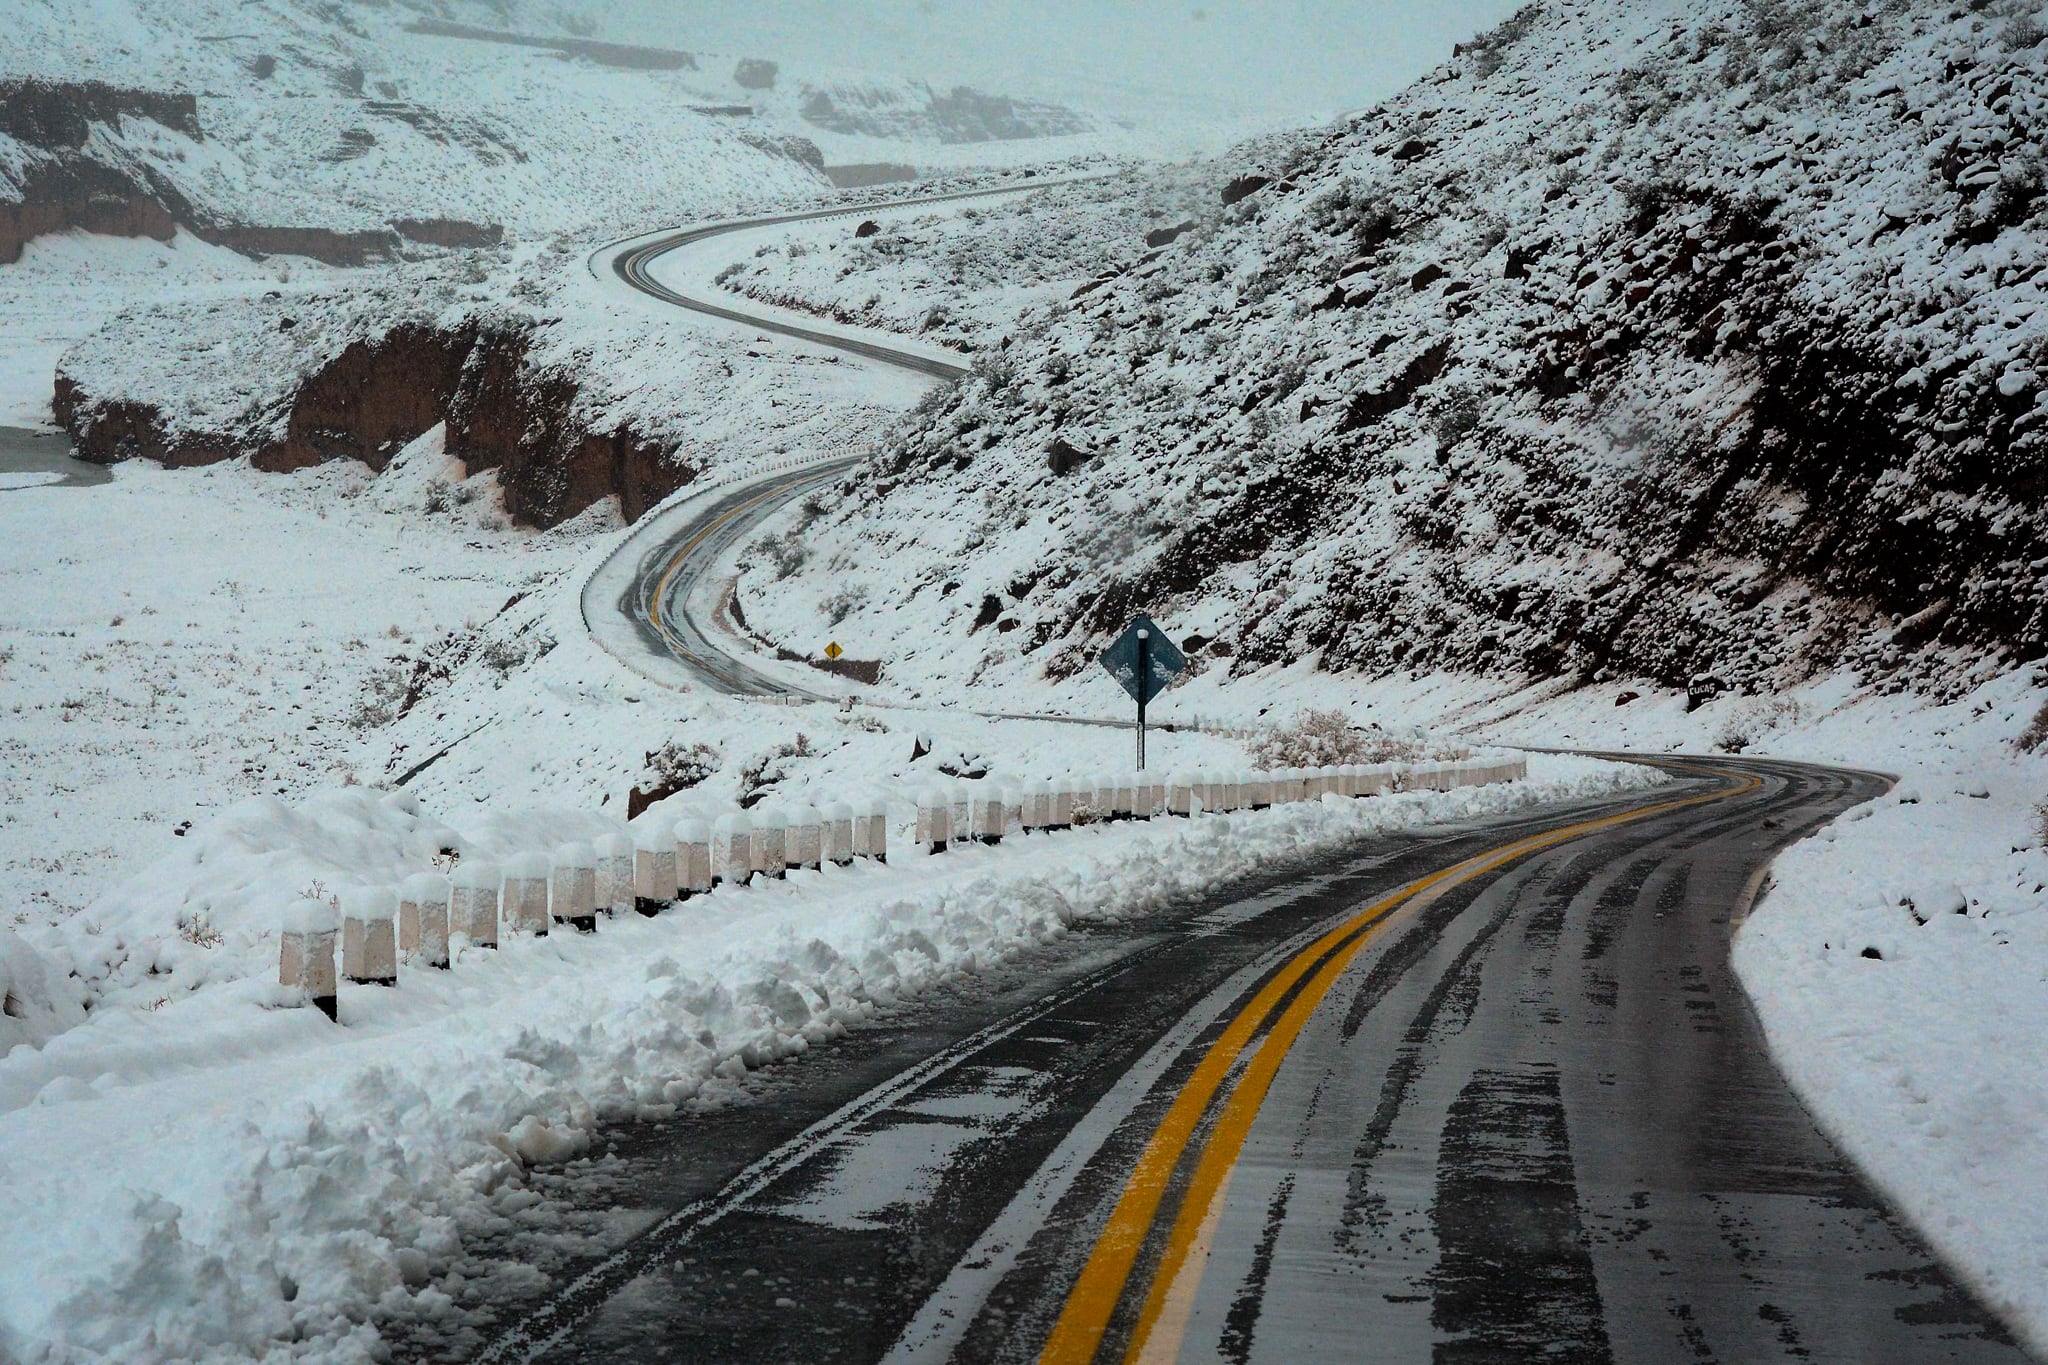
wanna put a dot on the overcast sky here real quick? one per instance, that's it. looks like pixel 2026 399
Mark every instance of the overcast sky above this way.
pixel 1270 60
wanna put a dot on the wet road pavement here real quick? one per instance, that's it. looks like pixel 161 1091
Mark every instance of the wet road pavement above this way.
pixel 1478 1093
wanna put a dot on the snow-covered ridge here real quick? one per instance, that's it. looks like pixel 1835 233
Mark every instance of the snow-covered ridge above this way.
pixel 1656 341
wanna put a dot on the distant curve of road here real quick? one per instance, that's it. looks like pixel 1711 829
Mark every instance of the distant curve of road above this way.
pixel 669 575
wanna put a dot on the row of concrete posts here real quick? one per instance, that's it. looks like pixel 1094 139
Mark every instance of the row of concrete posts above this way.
pixel 665 862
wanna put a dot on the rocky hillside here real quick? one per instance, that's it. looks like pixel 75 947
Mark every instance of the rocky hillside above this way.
pixel 346 132
pixel 1640 340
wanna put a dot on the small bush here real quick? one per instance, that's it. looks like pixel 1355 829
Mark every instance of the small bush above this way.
pixel 1321 739
pixel 674 768
pixel 383 696
pixel 845 603
pixel 2034 737
pixel 1754 719
pixel 785 554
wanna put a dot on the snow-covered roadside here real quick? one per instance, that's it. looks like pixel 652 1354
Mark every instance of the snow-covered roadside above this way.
pixel 238 1177
pixel 175 641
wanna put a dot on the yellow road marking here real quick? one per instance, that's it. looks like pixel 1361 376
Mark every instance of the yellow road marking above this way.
pixel 676 563
pixel 1090 1305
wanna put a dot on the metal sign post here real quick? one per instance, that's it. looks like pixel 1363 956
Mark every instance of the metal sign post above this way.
pixel 1144 658
pixel 1143 661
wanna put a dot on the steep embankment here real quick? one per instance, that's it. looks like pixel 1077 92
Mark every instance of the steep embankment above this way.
pixel 1638 340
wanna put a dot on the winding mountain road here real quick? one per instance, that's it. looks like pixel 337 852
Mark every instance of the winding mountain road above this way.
pixel 1484 1092
pixel 667 597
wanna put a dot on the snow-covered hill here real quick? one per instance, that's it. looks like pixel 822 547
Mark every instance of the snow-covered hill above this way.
pixel 1641 340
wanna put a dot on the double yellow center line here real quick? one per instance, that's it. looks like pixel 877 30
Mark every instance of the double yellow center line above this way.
pixel 1091 1305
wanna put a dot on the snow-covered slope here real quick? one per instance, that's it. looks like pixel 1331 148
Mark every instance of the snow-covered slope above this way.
pixel 1654 340
pixel 309 115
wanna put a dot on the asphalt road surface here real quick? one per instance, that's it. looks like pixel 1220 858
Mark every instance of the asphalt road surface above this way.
pixel 680 566
pixel 670 573
pixel 1477 1093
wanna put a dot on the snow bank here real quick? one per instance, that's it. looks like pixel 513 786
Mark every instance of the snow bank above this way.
pixel 239 1178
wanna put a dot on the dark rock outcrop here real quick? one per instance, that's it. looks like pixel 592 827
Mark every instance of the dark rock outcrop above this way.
pixel 503 412
pixel 67 184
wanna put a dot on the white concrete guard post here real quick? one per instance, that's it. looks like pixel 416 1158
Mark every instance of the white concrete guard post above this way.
pixel 935 820
pixel 871 833
pixel 305 953
pixel 473 906
pixel 408 923
pixel 732 849
pixel 693 858
pixel 524 905
pixel 963 809
pixel 1102 798
pixel 1376 780
pixel 988 816
pixel 835 832
pixel 614 873
pixel 807 838
pixel 573 896
pixel 1123 802
pixel 767 851
pixel 1258 792
pixel 1180 795
pixel 369 938
pixel 1233 796
pixel 1062 806
pixel 1036 807
pixel 654 867
pixel 423 899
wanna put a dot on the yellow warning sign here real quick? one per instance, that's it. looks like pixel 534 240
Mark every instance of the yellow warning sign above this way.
pixel 833 651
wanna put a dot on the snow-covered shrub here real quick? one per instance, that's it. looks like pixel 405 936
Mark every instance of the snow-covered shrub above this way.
pixel 2030 739
pixel 382 697
pixel 675 767
pixel 1753 719
pixel 845 602
pixel 1321 739
pixel 785 553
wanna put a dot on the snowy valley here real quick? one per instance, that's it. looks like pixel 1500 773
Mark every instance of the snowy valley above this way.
pixel 1644 379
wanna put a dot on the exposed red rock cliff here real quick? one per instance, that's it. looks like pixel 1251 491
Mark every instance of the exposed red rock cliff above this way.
pixel 502 411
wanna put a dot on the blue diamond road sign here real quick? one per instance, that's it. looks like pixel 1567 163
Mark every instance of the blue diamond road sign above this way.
pixel 1144 667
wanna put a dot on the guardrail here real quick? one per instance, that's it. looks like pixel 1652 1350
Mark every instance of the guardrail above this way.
pixel 431 920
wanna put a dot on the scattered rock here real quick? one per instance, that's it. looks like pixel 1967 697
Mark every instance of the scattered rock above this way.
pixel 1244 187
pixel 1063 456
pixel 1427 276
pixel 867 229
pixel 1625 698
pixel 1166 236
